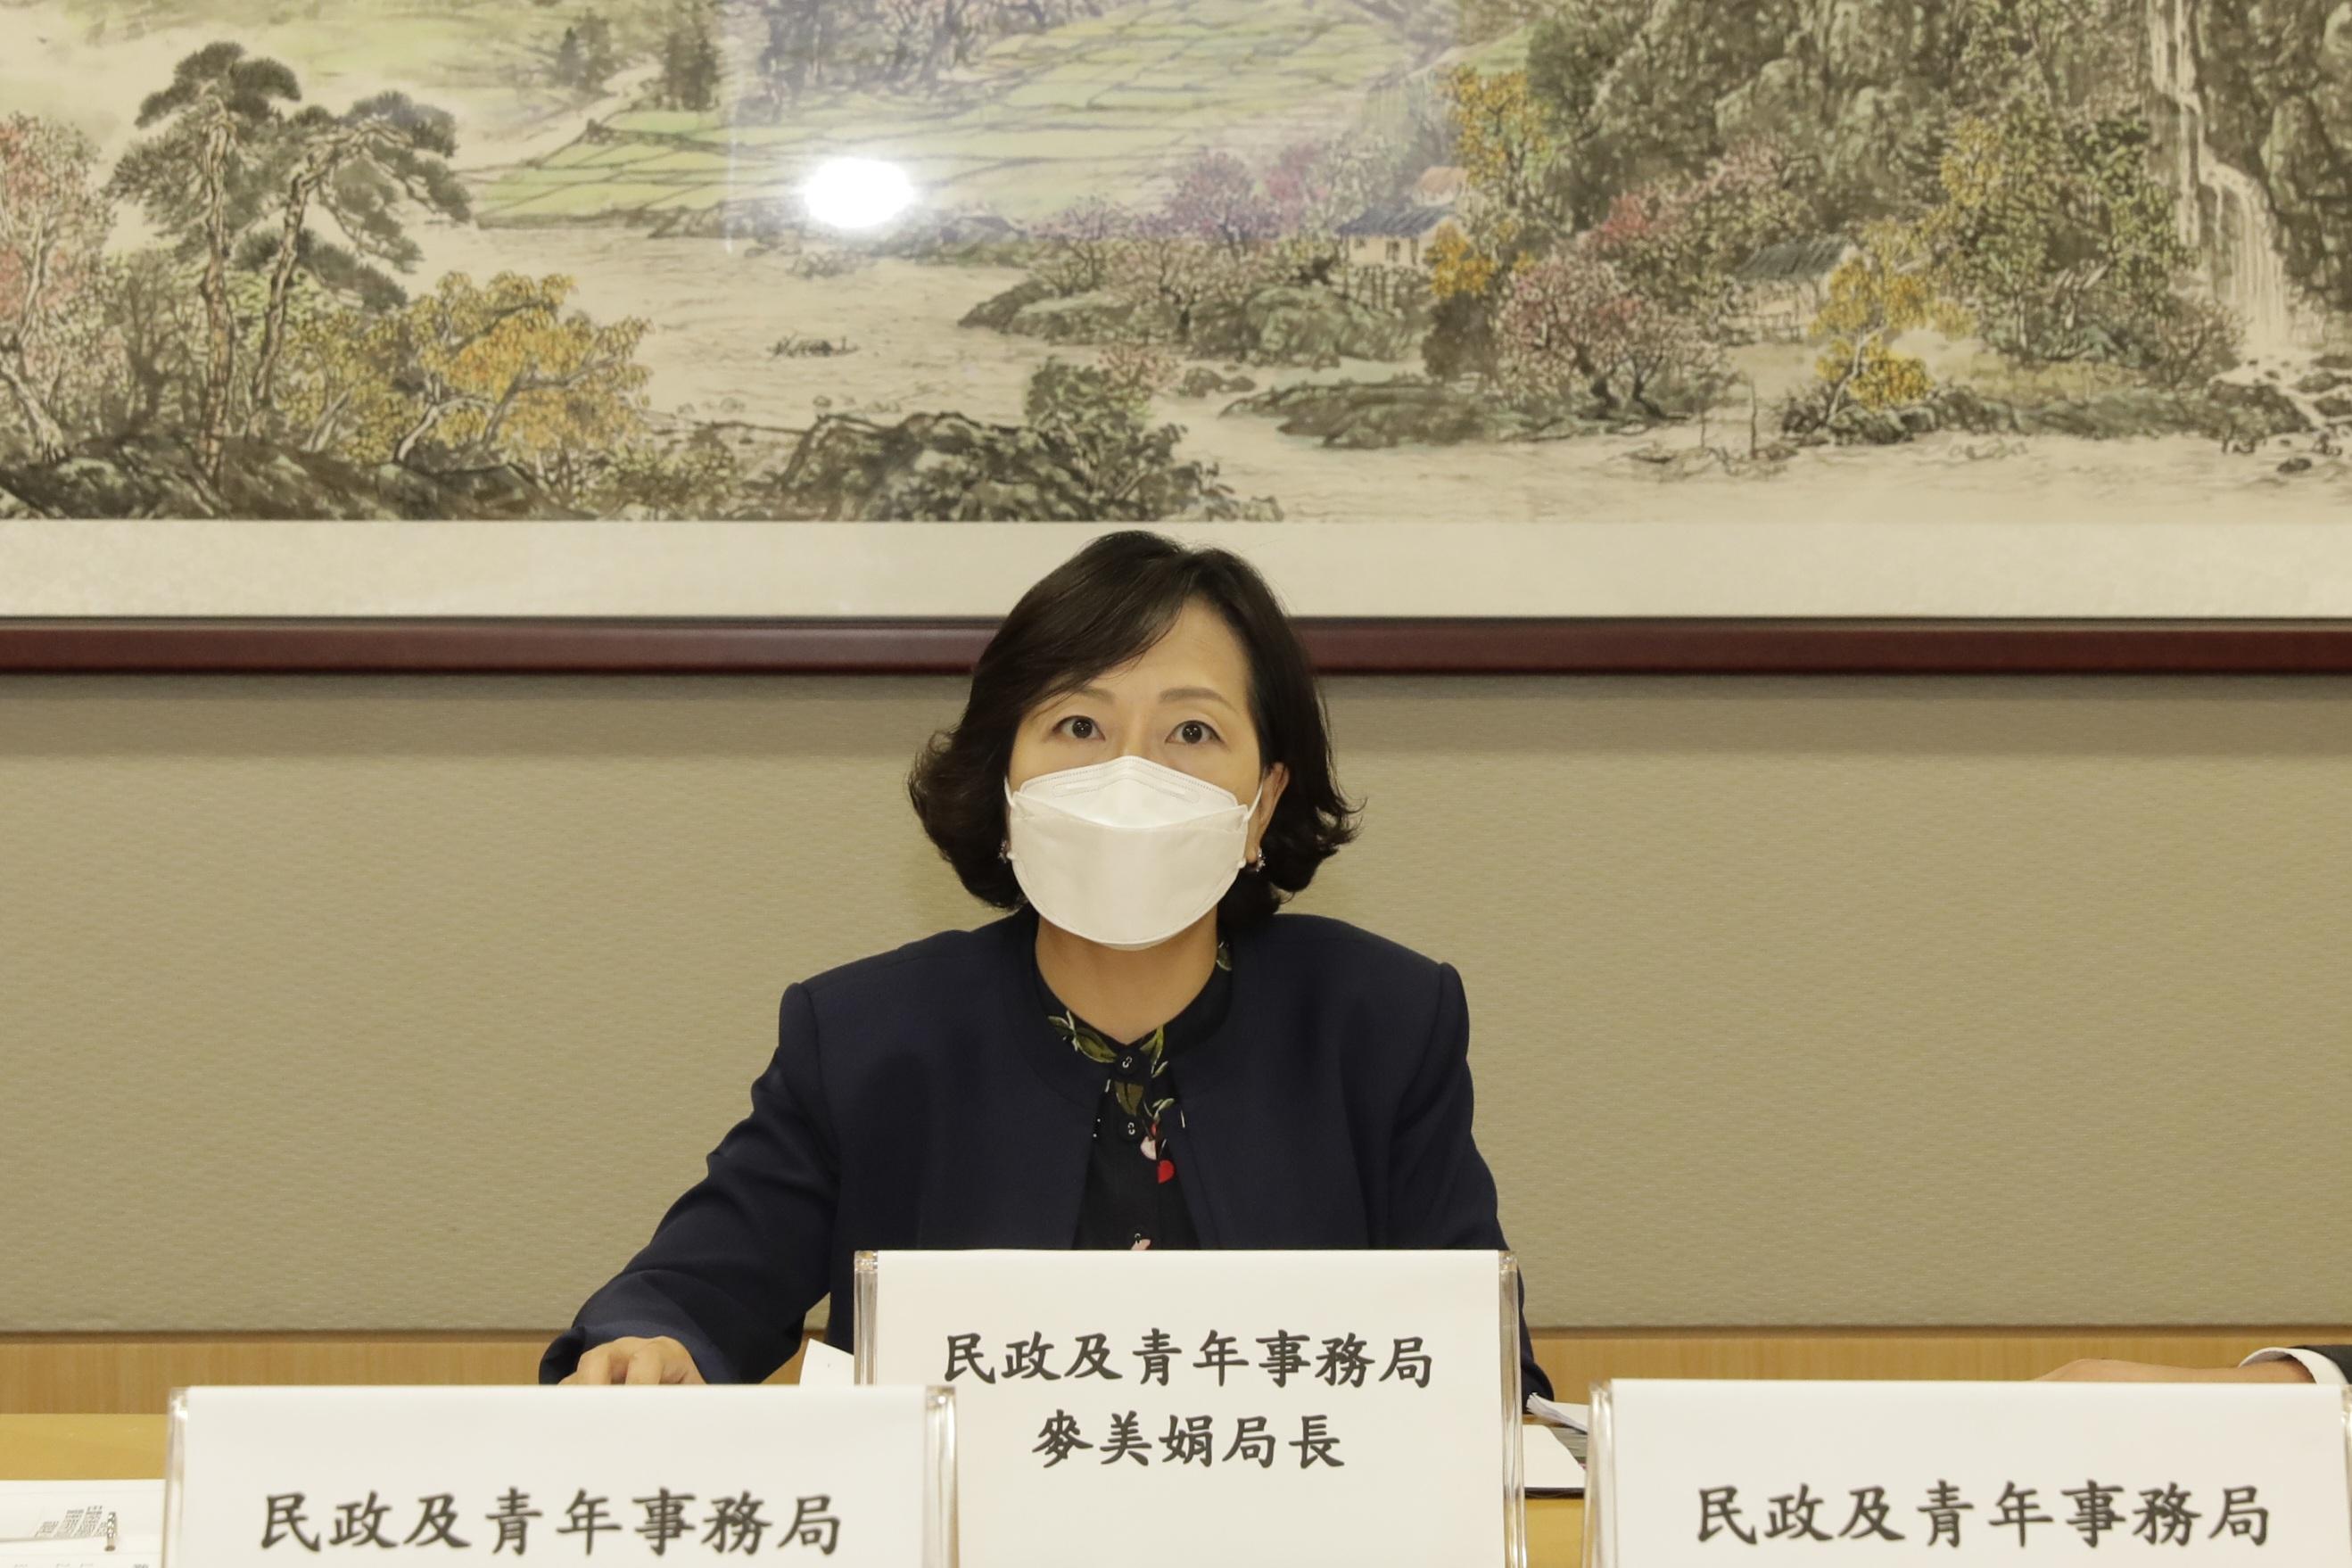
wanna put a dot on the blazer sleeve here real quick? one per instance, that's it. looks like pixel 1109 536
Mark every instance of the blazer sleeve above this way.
pixel 1441 1193
pixel 737 1261
pixel 2340 1354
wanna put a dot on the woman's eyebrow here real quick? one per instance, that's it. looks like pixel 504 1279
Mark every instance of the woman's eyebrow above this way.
pixel 1194 694
pixel 1174 694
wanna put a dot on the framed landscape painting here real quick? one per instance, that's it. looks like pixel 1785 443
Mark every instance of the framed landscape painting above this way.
pixel 1507 334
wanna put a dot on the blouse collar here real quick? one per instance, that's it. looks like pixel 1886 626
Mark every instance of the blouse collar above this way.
pixel 1197 1036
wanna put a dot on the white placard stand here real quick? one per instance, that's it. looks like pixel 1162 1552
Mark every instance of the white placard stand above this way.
pixel 1235 1408
pixel 576 1477
pixel 1689 1473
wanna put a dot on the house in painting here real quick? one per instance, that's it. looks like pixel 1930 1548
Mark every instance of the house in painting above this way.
pixel 1783 287
pixel 1385 250
pixel 1397 234
pixel 1443 187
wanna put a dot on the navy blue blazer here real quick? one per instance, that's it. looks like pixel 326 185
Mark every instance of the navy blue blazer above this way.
pixel 915 1100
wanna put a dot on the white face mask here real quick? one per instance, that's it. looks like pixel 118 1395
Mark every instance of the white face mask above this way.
pixel 1124 853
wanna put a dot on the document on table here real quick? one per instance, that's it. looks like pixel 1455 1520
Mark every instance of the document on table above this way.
pixel 1548 1466
pixel 1552 1413
pixel 1569 1423
pixel 821 1366
pixel 65 1524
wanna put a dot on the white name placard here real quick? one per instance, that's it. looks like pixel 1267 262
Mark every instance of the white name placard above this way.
pixel 1689 1474
pixel 1232 1409
pixel 572 1477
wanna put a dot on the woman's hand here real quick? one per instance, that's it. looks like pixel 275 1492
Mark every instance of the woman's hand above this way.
pixel 2288 1370
pixel 636 1360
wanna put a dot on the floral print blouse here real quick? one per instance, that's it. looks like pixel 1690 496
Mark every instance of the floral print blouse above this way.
pixel 1134 1196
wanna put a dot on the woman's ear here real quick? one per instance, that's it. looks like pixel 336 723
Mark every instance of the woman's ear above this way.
pixel 1269 795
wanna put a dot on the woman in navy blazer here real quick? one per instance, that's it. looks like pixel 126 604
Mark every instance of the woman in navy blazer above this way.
pixel 1220 1076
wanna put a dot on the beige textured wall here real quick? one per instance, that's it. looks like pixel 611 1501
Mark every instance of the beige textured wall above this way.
pixel 388 1004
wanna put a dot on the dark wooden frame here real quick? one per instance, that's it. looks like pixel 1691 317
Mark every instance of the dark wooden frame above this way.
pixel 1346 647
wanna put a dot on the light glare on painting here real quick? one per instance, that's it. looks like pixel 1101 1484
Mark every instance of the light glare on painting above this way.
pixel 857 193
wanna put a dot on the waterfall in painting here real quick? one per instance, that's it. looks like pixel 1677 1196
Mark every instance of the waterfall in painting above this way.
pixel 2226 216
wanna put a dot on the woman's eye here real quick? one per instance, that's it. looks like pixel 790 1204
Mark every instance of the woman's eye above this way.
pixel 1193 733
pixel 1079 726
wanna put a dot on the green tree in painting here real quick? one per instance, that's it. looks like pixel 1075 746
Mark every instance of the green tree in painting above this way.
pixel 53 225
pixel 569 59
pixel 688 478
pixel 1100 426
pixel 2064 51
pixel 150 307
pixel 358 167
pixel 1859 92
pixel 196 178
pixel 1569 53
pixel 2053 229
pixel 800 45
pixel 691 73
pixel 585 56
pixel 600 57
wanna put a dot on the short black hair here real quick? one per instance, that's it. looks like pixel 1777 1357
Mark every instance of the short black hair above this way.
pixel 1101 609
